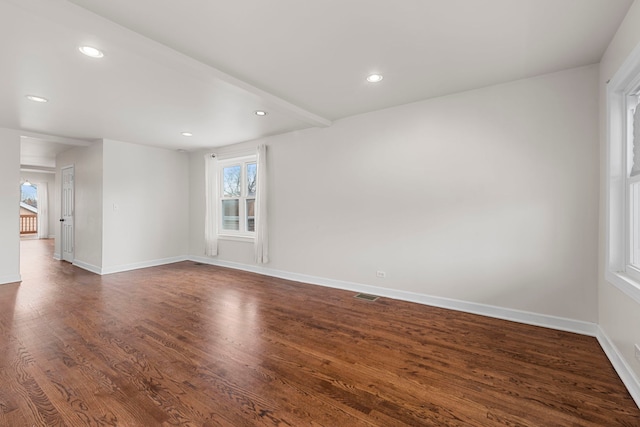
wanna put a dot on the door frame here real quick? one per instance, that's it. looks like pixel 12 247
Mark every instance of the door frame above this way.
pixel 67 255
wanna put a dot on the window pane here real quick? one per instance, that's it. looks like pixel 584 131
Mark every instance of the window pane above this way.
pixel 252 179
pixel 29 194
pixel 231 181
pixel 231 214
pixel 634 223
pixel 251 220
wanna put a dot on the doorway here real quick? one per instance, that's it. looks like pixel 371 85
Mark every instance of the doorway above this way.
pixel 28 209
pixel 67 214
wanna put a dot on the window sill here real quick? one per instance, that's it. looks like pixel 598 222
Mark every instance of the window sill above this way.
pixel 626 284
pixel 247 239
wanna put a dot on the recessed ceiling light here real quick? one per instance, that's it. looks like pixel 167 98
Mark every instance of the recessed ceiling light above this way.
pixel 37 98
pixel 261 113
pixel 91 51
pixel 186 134
pixel 374 78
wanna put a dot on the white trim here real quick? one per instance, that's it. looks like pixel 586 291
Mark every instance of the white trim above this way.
pixel 242 231
pixel 547 321
pixel 57 256
pixel 127 267
pixel 86 266
pixel 242 238
pixel 626 74
pixel 625 284
pixel 234 154
pixel 143 264
pixel 57 139
pixel 11 278
pixel 626 374
pixel 39 169
pixel 626 80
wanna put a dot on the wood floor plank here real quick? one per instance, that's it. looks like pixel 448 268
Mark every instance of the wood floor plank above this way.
pixel 197 345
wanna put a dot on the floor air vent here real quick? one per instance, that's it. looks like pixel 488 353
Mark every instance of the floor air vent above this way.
pixel 367 297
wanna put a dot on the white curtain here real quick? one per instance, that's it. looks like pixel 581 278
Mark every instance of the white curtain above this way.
pixel 43 210
pixel 261 243
pixel 211 201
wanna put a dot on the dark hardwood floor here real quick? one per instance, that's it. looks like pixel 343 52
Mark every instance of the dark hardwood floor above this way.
pixel 197 345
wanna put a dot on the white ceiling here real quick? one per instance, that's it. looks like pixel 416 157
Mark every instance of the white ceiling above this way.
pixel 205 66
pixel 38 152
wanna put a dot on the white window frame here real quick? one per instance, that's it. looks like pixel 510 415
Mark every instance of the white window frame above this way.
pixel 242 234
pixel 633 227
pixel 621 221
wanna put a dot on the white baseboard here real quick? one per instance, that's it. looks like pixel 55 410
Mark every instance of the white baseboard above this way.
pixel 626 374
pixel 86 266
pixel 11 278
pixel 57 256
pixel 623 369
pixel 125 267
pixel 144 264
pixel 547 321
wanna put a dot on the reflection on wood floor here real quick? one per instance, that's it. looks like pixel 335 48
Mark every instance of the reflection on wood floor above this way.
pixel 197 345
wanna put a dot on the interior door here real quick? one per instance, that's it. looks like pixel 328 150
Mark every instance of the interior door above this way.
pixel 67 210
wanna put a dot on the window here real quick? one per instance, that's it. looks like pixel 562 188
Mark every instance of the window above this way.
pixel 623 173
pixel 28 208
pixel 632 178
pixel 236 202
pixel 238 185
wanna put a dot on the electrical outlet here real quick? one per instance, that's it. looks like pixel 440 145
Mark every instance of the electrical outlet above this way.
pixel 381 274
pixel 637 347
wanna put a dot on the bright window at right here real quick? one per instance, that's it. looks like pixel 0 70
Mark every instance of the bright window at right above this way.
pixel 633 186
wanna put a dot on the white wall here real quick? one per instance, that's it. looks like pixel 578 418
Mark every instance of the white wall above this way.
pixel 488 196
pixel 53 194
pixel 88 203
pixel 9 206
pixel 619 315
pixel 146 206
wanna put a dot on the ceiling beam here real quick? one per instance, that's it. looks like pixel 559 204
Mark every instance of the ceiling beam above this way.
pixel 70 15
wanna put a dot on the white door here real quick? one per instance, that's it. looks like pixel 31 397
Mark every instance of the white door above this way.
pixel 66 219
